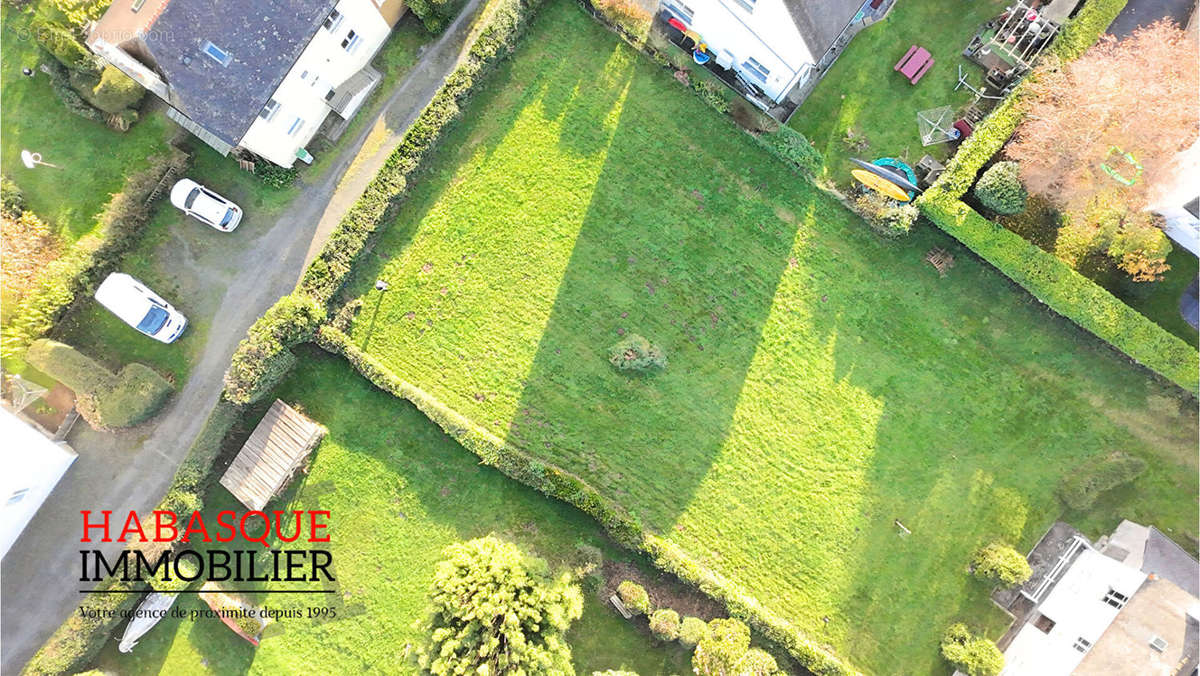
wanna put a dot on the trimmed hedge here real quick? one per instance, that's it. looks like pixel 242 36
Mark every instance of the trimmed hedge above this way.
pixel 1042 274
pixel 80 639
pixel 625 528
pixel 264 356
pixel 792 147
pixel 105 399
pixel 75 274
pixel 1081 487
pixel 1069 293
pixel 436 14
pixel 999 189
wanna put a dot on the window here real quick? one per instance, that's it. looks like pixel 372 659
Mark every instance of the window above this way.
pixel 1115 598
pixel 329 94
pixel 333 21
pixel 1158 643
pixel 269 110
pixel 1082 644
pixel 350 42
pixel 1044 623
pixel 296 124
pixel 747 5
pixel 217 54
pixel 682 11
pixel 20 493
pixel 136 5
pixel 755 69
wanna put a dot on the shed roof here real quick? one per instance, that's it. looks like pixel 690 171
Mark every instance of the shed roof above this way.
pixel 262 39
pixel 276 448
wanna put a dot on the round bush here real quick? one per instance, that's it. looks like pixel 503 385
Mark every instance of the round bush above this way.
pixel 116 91
pixel 664 624
pixel 757 662
pixel 692 630
pixel 635 353
pixel 634 596
pixel 973 655
pixel 1000 564
pixel 1000 189
pixel 885 215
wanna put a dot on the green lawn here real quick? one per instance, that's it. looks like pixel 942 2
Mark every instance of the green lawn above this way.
pixel 92 159
pixel 399 491
pixel 862 92
pixel 822 383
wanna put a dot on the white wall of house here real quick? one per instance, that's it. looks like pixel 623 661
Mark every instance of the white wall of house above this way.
pixel 323 65
pixel 737 31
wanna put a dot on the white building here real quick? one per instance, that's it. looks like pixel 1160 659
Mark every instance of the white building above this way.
pixel 257 76
pixel 33 465
pixel 1126 606
pixel 774 45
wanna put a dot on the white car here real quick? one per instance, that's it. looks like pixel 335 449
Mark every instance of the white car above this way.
pixel 205 205
pixel 140 307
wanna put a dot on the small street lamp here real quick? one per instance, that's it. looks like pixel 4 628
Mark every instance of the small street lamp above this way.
pixel 380 286
pixel 31 160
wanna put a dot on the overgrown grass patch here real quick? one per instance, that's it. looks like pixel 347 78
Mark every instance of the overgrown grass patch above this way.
pixel 822 383
pixel 399 491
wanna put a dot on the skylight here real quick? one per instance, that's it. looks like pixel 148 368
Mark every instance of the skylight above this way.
pixel 217 54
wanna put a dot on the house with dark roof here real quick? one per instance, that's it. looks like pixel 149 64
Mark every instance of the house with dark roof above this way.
pixel 774 48
pixel 257 77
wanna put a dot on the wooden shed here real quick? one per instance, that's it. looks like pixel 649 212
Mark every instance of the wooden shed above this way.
pixel 272 454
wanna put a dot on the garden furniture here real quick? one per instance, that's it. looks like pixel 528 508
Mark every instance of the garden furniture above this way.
pixel 914 64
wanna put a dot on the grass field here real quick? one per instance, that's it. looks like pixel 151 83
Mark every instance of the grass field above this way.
pixel 92 159
pixel 822 383
pixel 399 491
pixel 862 92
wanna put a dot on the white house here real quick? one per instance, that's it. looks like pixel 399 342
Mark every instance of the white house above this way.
pixel 1127 605
pixel 259 76
pixel 774 45
pixel 33 464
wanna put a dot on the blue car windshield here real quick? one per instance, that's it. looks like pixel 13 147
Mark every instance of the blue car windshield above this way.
pixel 228 217
pixel 153 321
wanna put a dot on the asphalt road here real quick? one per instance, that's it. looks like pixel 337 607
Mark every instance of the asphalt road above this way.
pixel 131 470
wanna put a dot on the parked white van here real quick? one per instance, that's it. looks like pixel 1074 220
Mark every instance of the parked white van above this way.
pixel 140 307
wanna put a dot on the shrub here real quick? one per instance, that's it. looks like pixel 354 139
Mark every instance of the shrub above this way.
pixel 626 15
pixel 614 672
pixel 664 624
pixel 264 357
pixel 1000 564
pixel 792 147
pixel 12 202
pixel 1080 489
pixel 60 84
pixel 80 12
pixel 722 651
pixel 692 630
pixel 29 246
pixel 591 558
pixel 116 91
pixel 493 607
pixel 635 353
pixel 634 596
pixel 973 655
pixel 1067 292
pixel 84 634
pixel 1000 189
pixel 62 44
pixel 275 176
pixel 435 14
pixel 757 662
pixel 104 399
pixel 885 215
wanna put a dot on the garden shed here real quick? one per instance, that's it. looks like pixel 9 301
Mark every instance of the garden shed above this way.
pixel 272 454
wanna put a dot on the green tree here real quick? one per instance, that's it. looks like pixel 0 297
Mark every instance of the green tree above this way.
pixel 116 91
pixel 1000 564
pixel 1000 189
pixel 496 610
pixel 973 655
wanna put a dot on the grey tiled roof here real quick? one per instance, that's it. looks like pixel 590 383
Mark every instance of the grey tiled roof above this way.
pixel 262 37
pixel 1168 560
pixel 821 21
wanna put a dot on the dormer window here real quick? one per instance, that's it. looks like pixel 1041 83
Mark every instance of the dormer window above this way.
pixel 333 21
pixel 217 54
pixel 351 41
pixel 269 110
pixel 747 5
